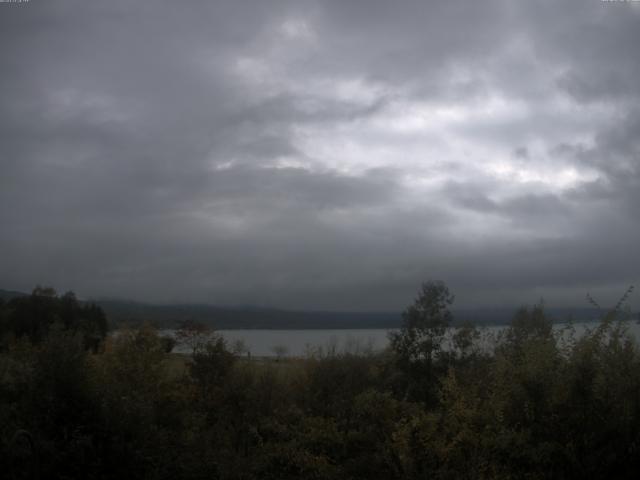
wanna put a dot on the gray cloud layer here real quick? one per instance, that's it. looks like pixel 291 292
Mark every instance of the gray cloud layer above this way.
pixel 320 154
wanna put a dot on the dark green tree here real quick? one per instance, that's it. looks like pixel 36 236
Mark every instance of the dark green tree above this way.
pixel 417 346
pixel 34 315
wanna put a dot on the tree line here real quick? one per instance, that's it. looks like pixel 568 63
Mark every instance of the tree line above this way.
pixel 439 402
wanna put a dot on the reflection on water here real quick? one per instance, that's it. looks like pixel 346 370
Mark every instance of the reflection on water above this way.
pixel 268 343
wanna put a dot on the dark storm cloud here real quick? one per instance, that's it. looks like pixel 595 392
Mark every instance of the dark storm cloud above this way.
pixel 320 154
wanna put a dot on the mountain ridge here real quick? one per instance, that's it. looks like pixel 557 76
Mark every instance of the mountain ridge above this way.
pixel 129 312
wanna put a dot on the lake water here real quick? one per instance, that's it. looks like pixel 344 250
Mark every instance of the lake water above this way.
pixel 264 343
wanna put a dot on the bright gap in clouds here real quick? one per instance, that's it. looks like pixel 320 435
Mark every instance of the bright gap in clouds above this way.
pixel 374 145
pixel 425 141
pixel 382 127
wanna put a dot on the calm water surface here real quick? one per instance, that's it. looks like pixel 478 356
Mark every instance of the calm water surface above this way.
pixel 265 343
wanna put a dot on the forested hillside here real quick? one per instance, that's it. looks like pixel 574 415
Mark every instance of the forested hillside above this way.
pixel 123 313
pixel 528 403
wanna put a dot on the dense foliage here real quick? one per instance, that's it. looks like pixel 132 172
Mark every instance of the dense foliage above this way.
pixel 33 317
pixel 532 402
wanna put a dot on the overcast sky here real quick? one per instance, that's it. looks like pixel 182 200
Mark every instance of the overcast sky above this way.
pixel 321 154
